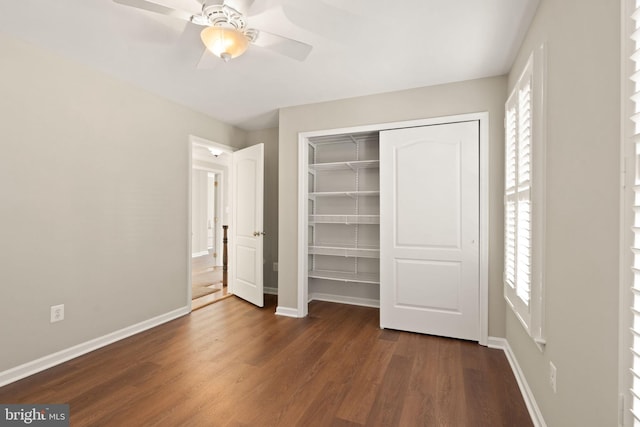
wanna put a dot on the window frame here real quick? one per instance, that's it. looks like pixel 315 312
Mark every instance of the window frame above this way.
pixel 530 313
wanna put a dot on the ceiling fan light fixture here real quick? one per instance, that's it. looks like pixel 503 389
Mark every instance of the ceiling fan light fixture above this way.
pixel 223 42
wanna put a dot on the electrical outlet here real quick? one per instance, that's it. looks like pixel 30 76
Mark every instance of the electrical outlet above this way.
pixel 275 266
pixel 57 313
pixel 553 375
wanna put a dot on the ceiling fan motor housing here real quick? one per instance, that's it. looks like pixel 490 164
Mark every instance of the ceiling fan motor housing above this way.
pixel 220 14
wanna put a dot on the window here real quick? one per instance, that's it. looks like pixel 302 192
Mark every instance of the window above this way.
pixel 523 197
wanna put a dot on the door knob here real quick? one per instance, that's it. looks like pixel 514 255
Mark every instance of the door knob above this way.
pixel 259 233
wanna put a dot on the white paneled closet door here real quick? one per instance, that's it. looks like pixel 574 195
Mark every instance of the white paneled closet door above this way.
pixel 429 230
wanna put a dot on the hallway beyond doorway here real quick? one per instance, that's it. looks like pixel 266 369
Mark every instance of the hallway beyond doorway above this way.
pixel 206 282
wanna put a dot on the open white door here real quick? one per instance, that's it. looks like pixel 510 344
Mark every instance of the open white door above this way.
pixel 247 186
pixel 429 230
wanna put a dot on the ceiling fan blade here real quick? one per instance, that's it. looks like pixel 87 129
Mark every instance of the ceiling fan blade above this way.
pixel 157 8
pixel 208 61
pixel 288 47
pixel 190 36
pixel 188 46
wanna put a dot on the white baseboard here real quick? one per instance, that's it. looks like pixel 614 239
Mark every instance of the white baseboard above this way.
pixel 46 362
pixel 495 342
pixel 287 312
pixel 365 302
pixel 270 290
pixel 527 395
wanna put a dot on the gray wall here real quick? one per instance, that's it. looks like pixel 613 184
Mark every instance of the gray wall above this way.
pixel 583 136
pixel 93 202
pixel 269 137
pixel 457 98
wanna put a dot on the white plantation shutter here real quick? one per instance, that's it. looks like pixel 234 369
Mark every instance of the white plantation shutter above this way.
pixel 510 244
pixel 510 199
pixel 517 197
pixel 523 287
pixel 511 148
pixel 635 247
pixel 523 284
pixel 524 131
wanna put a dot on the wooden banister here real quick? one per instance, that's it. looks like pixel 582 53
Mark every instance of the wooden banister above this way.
pixel 225 240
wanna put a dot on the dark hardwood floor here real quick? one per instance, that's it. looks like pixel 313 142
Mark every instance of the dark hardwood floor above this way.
pixel 231 364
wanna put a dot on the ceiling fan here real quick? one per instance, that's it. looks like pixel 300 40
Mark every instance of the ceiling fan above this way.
pixel 225 32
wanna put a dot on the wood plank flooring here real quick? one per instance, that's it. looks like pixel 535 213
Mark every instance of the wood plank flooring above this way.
pixel 231 364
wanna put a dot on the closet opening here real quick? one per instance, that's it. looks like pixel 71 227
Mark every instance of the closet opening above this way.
pixel 354 234
pixel 344 218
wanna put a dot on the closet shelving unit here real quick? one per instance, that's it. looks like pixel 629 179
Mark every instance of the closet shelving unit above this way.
pixel 344 213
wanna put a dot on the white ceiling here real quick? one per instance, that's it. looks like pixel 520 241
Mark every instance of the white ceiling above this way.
pixel 360 47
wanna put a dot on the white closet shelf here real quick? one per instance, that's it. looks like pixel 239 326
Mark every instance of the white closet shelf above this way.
pixel 345 251
pixel 369 137
pixel 345 193
pixel 353 165
pixel 344 219
pixel 342 276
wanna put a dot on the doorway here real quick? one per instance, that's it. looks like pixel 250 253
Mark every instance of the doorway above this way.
pixel 208 206
pixel 240 177
pixel 206 243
